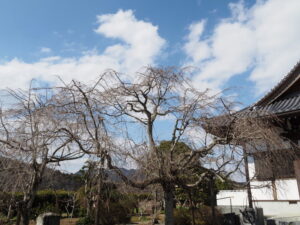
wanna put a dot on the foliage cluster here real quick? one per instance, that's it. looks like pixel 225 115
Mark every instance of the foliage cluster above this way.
pixel 201 193
pixel 115 207
pixel 203 216
pixel 45 201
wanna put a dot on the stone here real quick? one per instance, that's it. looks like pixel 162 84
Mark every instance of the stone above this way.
pixel 48 219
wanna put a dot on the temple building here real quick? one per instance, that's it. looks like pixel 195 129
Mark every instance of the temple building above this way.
pixel 274 188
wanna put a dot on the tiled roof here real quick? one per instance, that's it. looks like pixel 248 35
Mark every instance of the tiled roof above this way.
pixel 287 105
pixel 271 103
pixel 281 87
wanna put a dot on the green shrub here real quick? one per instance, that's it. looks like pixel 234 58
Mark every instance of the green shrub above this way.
pixel 81 212
pixel 110 214
pixel 52 201
pixel 47 207
pixel 85 221
pixel 203 216
pixel 45 201
pixel 182 216
pixel 114 213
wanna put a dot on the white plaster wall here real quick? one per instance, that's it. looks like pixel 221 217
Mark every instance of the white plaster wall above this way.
pixel 287 189
pixel 271 208
pixel 238 198
pixel 279 209
pixel 261 190
pixel 262 194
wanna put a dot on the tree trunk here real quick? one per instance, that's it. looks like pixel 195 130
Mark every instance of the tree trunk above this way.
pixel 249 192
pixel 18 221
pixel 29 197
pixel 25 216
pixel 9 213
pixel 192 206
pixel 193 215
pixel 88 196
pixel 212 199
pixel 169 206
pixel 89 208
pixel 100 182
pixel 97 213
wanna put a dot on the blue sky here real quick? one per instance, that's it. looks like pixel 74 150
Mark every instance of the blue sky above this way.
pixel 244 45
pixel 27 25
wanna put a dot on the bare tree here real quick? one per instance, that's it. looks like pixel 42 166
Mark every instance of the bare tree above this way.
pixel 31 140
pixel 159 93
pixel 165 96
pixel 116 117
pixel 82 111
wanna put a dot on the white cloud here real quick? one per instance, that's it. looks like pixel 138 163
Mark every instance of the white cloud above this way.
pixel 196 49
pixel 140 45
pixel 45 50
pixel 72 166
pixel 51 59
pixel 142 40
pixel 264 38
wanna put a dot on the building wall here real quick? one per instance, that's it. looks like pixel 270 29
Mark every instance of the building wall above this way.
pixel 234 198
pixel 270 208
pixel 287 189
pixel 288 199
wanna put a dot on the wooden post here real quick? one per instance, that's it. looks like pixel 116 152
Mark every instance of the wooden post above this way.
pixel 274 189
pixel 248 179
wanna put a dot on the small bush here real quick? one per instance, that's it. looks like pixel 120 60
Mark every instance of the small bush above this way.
pixel 81 212
pixel 47 207
pixel 45 201
pixel 182 217
pixel 203 216
pixel 115 213
pixel 85 221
